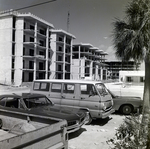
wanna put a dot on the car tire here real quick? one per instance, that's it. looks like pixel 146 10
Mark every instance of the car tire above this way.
pixel 126 109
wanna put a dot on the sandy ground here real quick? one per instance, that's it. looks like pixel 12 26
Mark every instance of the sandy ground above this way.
pixel 11 89
pixel 95 135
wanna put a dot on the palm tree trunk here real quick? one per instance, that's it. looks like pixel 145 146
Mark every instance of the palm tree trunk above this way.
pixel 146 103
pixel 146 95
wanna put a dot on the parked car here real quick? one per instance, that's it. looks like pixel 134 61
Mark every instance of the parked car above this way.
pixel 126 104
pixel 80 94
pixel 39 104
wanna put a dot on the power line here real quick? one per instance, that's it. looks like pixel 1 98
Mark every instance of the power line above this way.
pixel 30 6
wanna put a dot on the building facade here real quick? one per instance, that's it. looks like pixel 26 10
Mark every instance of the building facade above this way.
pixel 24 48
pixel 132 77
pixel 88 62
pixel 61 45
pixel 113 68
pixel 30 48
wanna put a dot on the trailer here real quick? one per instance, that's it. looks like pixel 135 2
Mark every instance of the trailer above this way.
pixel 28 131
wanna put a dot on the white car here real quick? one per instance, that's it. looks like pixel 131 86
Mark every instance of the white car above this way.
pixel 126 104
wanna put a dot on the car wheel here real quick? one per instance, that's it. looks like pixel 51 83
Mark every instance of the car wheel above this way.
pixel 126 109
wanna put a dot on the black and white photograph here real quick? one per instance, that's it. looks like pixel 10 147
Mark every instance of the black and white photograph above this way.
pixel 74 74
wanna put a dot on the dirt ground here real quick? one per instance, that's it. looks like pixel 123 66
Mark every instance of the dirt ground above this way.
pixel 95 135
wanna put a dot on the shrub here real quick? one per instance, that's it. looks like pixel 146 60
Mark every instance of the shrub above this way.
pixel 130 135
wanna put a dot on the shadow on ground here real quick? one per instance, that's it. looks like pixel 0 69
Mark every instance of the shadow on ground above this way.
pixel 76 134
pixel 101 122
pixel 136 113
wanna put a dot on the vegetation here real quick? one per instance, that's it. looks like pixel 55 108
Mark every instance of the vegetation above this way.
pixel 130 135
pixel 131 38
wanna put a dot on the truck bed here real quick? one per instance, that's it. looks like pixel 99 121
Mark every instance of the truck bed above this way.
pixel 39 134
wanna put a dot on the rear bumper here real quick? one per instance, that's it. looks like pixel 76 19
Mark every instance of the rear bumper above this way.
pixel 105 114
pixel 78 125
pixel 138 109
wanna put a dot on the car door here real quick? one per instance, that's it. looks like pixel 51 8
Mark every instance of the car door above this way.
pixel 68 94
pixel 89 97
pixel 55 93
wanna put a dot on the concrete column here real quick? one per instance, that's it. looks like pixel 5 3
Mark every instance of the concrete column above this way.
pixel 35 50
pixel 79 62
pixel 64 46
pixel 6 50
pixel 91 64
pixel 53 58
pixel 18 52
pixel 71 75
pixel 47 49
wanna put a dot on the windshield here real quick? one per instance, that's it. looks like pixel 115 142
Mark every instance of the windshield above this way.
pixel 101 89
pixel 112 94
pixel 36 102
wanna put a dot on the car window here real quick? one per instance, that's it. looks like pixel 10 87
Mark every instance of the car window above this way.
pixel 68 88
pixel 36 102
pixel 88 89
pixel 3 101
pixel 41 86
pixel 56 87
pixel 102 89
pixel 9 102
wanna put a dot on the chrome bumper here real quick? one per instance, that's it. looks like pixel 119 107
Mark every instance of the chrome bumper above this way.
pixel 106 114
pixel 77 126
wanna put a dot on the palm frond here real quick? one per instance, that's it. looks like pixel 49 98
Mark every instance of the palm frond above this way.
pixel 131 35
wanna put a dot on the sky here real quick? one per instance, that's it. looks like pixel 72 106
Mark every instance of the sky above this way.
pixel 90 21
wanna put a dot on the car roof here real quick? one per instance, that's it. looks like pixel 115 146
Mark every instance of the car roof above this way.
pixel 24 95
pixel 68 81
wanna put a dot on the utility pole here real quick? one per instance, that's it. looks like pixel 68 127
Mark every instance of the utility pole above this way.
pixel 68 21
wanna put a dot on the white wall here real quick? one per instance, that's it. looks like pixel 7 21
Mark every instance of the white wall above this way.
pixel 75 69
pixel 19 51
pixel 135 76
pixel 5 49
pixel 53 64
pixel 82 67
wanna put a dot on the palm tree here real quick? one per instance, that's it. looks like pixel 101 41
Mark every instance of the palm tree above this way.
pixel 131 39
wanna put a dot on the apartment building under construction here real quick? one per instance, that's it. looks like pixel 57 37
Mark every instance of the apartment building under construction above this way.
pixel 30 48
pixel 25 52
pixel 61 44
pixel 88 62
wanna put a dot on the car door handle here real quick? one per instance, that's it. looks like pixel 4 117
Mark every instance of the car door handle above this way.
pixel 62 96
pixel 82 98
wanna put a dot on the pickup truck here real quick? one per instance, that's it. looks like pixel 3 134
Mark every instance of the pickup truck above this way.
pixel 20 130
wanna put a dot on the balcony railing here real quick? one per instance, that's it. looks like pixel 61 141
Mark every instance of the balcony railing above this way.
pixel 40 56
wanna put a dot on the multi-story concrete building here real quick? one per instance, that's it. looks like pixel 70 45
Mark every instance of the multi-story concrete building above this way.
pixel 61 44
pixel 114 67
pixel 25 51
pixel 31 49
pixel 88 62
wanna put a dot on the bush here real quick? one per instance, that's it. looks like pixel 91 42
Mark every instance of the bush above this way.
pixel 130 134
